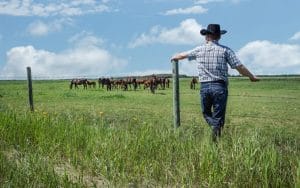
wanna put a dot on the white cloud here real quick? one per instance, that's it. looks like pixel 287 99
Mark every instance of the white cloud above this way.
pixel 65 8
pixel 265 57
pixel 85 40
pixel 190 10
pixel 216 1
pixel 296 36
pixel 207 1
pixel 186 33
pixel 39 28
pixel 86 59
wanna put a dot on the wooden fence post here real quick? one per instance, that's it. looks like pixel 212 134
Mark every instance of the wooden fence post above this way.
pixel 30 94
pixel 176 100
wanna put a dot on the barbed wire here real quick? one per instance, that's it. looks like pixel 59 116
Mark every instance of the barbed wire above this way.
pixel 94 77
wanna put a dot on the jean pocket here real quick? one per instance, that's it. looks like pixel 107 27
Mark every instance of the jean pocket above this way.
pixel 204 91
pixel 221 95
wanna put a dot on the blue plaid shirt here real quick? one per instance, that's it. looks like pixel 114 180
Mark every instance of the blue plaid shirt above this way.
pixel 212 59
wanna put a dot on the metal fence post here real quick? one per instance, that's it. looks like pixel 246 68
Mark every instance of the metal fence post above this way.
pixel 176 100
pixel 30 94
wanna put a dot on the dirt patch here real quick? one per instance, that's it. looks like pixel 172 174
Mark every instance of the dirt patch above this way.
pixel 75 176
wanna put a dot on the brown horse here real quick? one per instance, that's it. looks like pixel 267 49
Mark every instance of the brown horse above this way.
pixel 77 82
pixel 140 82
pixel 193 83
pixel 151 83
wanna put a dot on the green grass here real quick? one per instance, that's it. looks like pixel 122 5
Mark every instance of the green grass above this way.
pixel 120 138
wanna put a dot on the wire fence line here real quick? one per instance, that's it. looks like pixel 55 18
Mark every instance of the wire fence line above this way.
pixel 69 77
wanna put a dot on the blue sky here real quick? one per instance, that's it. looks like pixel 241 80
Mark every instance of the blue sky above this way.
pixel 89 38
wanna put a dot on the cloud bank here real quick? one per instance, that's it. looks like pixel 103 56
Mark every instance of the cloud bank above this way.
pixel 53 8
pixel 265 57
pixel 187 33
pixel 87 58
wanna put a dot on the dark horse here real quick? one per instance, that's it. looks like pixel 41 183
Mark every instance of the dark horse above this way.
pixel 105 81
pixel 193 83
pixel 77 82
pixel 91 84
pixel 102 82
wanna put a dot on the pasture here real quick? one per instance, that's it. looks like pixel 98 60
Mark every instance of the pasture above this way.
pixel 99 138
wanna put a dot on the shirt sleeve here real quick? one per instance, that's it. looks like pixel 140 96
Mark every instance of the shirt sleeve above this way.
pixel 232 59
pixel 192 54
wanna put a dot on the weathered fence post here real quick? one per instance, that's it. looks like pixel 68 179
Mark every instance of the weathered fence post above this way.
pixel 30 94
pixel 176 100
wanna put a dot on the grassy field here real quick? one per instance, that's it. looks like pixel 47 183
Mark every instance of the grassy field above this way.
pixel 95 138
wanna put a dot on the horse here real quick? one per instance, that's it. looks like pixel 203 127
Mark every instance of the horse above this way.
pixel 102 82
pixel 124 84
pixel 130 81
pixel 159 82
pixel 77 82
pixel 193 83
pixel 167 81
pixel 139 82
pixel 91 83
pixel 151 83
pixel 107 82
pixel 164 82
pixel 135 84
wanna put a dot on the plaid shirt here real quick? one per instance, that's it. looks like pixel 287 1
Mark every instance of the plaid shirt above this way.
pixel 212 59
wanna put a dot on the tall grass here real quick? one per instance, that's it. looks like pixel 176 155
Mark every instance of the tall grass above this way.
pixel 33 145
pixel 90 145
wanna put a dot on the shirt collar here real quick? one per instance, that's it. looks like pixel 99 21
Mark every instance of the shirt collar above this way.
pixel 212 42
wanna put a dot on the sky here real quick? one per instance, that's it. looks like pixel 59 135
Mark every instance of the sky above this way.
pixel 104 38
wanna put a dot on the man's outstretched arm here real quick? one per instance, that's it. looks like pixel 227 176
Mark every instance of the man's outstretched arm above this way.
pixel 245 72
pixel 179 57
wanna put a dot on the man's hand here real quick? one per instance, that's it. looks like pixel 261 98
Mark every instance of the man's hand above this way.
pixel 245 72
pixel 173 59
pixel 178 57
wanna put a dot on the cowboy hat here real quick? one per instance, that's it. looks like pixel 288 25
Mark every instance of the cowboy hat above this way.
pixel 213 29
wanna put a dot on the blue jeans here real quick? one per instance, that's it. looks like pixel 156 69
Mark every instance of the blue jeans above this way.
pixel 213 103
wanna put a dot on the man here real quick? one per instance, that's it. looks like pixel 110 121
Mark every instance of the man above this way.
pixel 212 59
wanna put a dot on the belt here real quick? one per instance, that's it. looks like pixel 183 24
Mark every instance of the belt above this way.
pixel 216 81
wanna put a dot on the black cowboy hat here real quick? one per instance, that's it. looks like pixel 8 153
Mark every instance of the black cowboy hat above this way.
pixel 213 29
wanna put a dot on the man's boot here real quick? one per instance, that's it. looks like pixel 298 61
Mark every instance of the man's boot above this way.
pixel 216 133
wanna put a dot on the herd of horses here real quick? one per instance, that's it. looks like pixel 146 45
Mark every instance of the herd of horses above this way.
pixel 82 81
pixel 152 83
pixel 132 83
